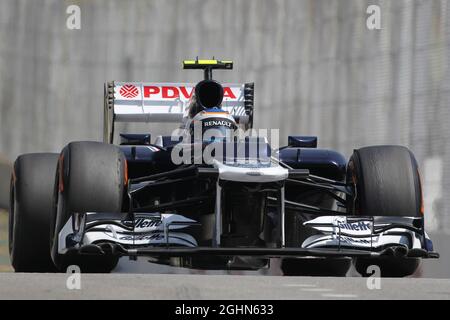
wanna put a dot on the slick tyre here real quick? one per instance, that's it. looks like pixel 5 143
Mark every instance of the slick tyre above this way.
pixel 91 177
pixel 31 195
pixel 389 267
pixel 387 183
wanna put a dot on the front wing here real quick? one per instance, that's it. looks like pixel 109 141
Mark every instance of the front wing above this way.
pixel 167 235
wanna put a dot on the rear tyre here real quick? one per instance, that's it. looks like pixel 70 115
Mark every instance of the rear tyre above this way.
pixel 30 212
pixel 90 178
pixel 387 183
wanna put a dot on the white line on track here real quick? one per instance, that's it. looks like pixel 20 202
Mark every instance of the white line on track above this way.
pixel 317 289
pixel 339 295
pixel 300 285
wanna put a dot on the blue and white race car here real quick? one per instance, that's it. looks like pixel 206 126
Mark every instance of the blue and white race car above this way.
pixel 212 196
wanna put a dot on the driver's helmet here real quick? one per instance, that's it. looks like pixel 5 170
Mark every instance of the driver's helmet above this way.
pixel 212 125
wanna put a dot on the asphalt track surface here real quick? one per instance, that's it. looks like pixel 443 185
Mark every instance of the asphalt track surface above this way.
pixel 190 286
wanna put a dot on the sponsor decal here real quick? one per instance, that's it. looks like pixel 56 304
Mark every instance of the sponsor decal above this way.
pixel 167 92
pixel 142 223
pixel 129 91
pixel 355 226
pixel 330 224
pixel 318 241
pixel 218 123
pixel 173 92
pixel 154 236
pixel 351 240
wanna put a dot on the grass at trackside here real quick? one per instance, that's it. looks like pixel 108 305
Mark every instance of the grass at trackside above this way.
pixel 4 254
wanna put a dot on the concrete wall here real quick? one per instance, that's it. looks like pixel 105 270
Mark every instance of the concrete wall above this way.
pixel 5 176
pixel 317 68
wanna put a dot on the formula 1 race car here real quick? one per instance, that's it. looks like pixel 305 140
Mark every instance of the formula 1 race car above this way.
pixel 210 197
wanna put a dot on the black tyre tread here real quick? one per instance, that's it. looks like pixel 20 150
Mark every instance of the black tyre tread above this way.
pixel 89 263
pixel 390 267
pixel 93 181
pixel 94 176
pixel 324 267
pixel 387 184
pixel 387 181
pixel 30 212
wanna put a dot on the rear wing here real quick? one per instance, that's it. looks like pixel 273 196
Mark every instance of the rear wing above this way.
pixel 167 102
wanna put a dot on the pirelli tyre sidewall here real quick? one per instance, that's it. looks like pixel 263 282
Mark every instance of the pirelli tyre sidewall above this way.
pixel 30 214
pixel 387 183
pixel 90 178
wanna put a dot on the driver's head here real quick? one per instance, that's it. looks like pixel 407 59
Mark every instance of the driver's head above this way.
pixel 212 125
pixel 207 94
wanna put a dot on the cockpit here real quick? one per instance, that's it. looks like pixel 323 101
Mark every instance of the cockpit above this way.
pixel 212 126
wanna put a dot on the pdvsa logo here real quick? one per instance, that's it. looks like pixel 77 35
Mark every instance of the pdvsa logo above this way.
pixel 173 92
pixel 129 91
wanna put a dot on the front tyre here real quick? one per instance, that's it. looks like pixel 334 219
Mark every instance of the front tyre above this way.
pixel 387 183
pixel 316 266
pixel 390 267
pixel 91 178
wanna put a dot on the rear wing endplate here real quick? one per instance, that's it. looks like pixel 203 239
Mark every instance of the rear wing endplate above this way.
pixel 167 102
